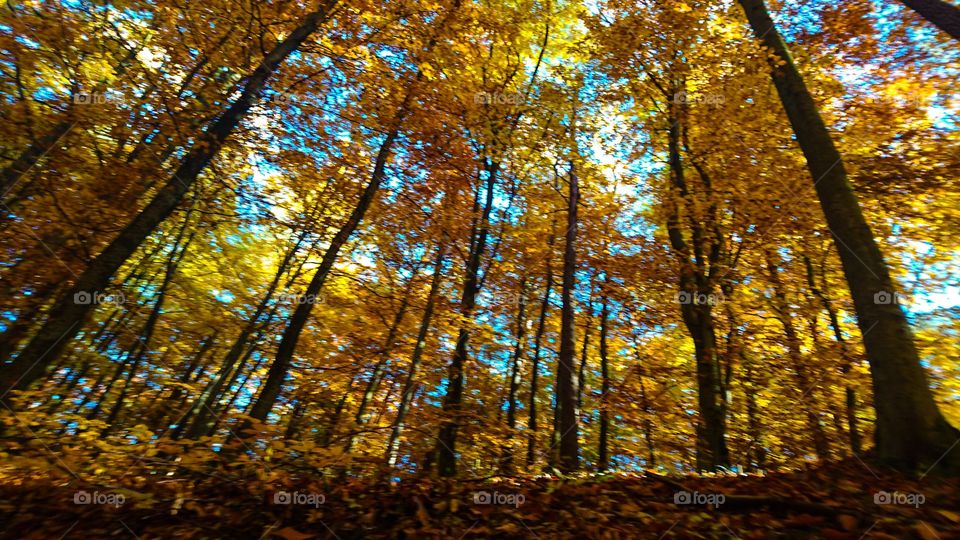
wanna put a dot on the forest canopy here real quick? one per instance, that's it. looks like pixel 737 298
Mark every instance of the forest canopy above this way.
pixel 419 267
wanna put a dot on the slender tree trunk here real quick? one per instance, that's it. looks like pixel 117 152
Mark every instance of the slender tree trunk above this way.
pixel 944 15
pixel 603 457
pixel 67 316
pixel 515 373
pixel 910 428
pixel 452 401
pixel 377 373
pixel 409 385
pixel 695 307
pixel 853 431
pixel 532 420
pixel 291 335
pixel 566 387
pixel 780 305
pixel 202 409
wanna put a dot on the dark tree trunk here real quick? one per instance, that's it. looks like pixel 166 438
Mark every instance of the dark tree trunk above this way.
pixel 452 400
pixel 566 385
pixel 532 421
pixel 515 373
pixel 910 428
pixel 944 15
pixel 291 335
pixel 695 307
pixel 603 458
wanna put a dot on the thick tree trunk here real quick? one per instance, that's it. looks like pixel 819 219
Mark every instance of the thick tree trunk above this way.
pixel 67 316
pixel 910 428
pixel 566 385
pixel 944 15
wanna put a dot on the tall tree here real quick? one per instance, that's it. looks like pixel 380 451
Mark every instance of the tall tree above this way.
pixel 910 428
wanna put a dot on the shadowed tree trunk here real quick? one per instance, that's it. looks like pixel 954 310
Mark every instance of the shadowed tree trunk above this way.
pixel 566 385
pixel 944 15
pixel 532 421
pixel 910 428
pixel 514 376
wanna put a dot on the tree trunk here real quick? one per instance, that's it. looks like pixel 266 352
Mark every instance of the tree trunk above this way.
pixel 944 15
pixel 67 316
pixel 291 335
pixel 537 343
pixel 452 401
pixel 910 428
pixel 515 372
pixel 695 307
pixel 377 372
pixel 603 457
pixel 566 386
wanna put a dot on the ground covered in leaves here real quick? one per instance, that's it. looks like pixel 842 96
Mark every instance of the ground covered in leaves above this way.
pixel 848 500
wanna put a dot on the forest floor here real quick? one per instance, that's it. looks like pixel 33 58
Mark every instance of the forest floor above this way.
pixel 847 500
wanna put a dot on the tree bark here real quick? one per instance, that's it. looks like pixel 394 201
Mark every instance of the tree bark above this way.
pixel 943 15
pixel 452 401
pixel 566 386
pixel 910 428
